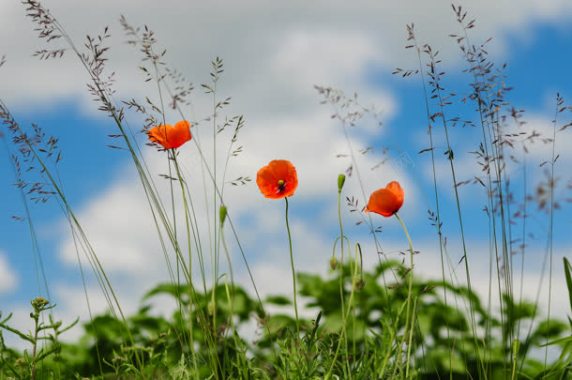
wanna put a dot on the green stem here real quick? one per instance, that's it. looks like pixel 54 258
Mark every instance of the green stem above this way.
pixel 410 316
pixel 343 336
pixel 345 316
pixel 36 317
pixel 293 270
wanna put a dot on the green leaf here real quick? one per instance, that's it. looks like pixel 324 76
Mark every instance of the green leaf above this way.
pixel 179 292
pixel 23 336
pixel 566 339
pixel 278 300
pixel 547 329
pixel 568 273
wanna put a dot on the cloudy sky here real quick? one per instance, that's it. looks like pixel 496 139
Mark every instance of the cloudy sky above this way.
pixel 274 53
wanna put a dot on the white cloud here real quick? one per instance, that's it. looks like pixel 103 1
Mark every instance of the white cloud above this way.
pixel 306 57
pixel 307 42
pixel 8 277
pixel 108 220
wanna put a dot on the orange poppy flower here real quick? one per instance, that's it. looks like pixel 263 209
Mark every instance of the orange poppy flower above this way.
pixel 277 180
pixel 386 201
pixel 171 136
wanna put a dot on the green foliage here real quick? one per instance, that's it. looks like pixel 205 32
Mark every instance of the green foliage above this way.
pixel 443 344
pixel 44 341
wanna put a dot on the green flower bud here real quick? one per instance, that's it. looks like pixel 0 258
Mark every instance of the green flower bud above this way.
pixel 333 263
pixel 341 181
pixel 222 214
pixel 39 303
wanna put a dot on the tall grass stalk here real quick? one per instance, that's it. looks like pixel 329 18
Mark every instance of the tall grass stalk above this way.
pixel 39 268
pixel 480 94
pixel 28 146
pixel 207 174
pixel 436 89
pixel 94 65
pixel 551 185
pixel 435 217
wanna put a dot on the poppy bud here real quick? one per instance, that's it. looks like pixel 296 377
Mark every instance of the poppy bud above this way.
pixel 222 211
pixel 341 181
pixel 333 263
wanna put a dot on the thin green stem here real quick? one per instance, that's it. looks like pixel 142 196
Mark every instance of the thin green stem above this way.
pixel 551 184
pixel 409 314
pixel 293 270
pixel 343 334
pixel 438 223
pixel 346 314
pixel 341 225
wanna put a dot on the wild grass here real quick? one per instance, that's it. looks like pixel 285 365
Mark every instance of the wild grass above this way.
pixel 380 322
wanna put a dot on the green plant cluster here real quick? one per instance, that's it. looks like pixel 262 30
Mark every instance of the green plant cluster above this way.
pixel 443 344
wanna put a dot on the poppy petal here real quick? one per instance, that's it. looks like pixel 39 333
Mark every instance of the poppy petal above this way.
pixel 386 201
pixel 277 180
pixel 180 133
pixel 171 137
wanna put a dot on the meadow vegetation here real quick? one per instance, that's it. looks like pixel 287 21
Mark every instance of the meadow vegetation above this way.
pixel 381 322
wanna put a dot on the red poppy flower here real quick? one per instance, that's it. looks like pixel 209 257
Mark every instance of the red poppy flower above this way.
pixel 386 201
pixel 171 136
pixel 277 180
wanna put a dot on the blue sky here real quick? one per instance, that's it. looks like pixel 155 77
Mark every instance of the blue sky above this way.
pixel 273 57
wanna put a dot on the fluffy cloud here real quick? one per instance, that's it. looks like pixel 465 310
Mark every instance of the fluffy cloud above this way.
pixel 8 277
pixel 329 40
